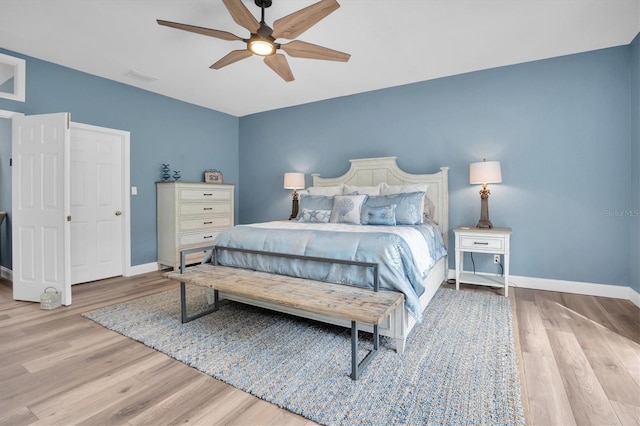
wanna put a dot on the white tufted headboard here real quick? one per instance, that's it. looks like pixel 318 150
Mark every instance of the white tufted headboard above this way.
pixel 372 171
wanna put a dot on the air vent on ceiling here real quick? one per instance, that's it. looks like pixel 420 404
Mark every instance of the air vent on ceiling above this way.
pixel 137 75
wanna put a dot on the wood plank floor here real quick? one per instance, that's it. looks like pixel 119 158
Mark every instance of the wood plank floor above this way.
pixel 579 358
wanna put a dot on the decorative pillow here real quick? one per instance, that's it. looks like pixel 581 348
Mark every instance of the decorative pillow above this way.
pixel 408 211
pixel 326 190
pixel 429 208
pixel 320 216
pixel 314 202
pixel 383 215
pixel 368 190
pixel 347 208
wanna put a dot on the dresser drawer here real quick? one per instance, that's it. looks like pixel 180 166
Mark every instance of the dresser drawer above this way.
pixel 482 243
pixel 204 208
pixel 204 194
pixel 199 238
pixel 206 223
pixel 191 258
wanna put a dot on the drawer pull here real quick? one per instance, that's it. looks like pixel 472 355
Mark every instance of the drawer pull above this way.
pixel 207 236
pixel 207 194
pixel 208 208
pixel 208 223
pixel 481 243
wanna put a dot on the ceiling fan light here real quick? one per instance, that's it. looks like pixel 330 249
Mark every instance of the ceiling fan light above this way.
pixel 261 47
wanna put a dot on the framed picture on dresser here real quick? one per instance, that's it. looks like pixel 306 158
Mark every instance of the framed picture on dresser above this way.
pixel 213 176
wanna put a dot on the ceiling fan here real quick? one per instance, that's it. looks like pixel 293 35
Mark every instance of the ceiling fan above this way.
pixel 262 40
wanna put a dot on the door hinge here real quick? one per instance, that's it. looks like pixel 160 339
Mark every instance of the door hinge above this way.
pixel 69 218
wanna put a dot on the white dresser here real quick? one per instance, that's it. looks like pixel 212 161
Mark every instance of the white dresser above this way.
pixel 190 215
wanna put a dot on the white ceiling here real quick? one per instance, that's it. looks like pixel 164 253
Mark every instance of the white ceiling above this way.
pixel 392 42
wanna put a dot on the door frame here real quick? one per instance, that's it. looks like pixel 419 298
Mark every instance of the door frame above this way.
pixel 126 182
pixel 7 273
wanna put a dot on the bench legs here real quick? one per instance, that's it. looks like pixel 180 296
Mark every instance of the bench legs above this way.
pixel 357 369
pixel 183 305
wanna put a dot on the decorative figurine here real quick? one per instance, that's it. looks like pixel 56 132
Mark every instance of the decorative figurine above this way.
pixel 165 172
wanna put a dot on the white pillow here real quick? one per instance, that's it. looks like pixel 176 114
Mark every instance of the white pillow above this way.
pixel 366 190
pixel 326 190
pixel 386 189
pixel 347 208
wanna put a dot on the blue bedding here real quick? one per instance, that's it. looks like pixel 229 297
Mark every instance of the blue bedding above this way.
pixel 404 254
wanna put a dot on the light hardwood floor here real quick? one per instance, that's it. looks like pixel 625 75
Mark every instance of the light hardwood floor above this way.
pixel 579 355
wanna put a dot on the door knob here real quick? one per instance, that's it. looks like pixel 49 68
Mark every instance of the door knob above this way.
pixel 118 212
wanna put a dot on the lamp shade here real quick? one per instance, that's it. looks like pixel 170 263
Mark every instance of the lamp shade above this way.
pixel 293 180
pixel 485 172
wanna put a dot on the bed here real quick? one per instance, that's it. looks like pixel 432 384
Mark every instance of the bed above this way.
pixel 336 233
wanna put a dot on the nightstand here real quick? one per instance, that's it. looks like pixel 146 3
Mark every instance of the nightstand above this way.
pixel 482 240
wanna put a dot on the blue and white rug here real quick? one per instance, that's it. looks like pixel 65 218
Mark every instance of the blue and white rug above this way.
pixel 459 367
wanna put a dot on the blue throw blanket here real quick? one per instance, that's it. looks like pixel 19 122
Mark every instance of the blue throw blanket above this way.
pixel 397 267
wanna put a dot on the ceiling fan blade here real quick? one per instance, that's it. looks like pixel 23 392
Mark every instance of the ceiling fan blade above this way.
pixel 301 49
pixel 230 58
pixel 291 26
pixel 279 64
pixel 200 30
pixel 241 15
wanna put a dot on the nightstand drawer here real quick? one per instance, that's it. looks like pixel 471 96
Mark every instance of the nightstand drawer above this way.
pixel 481 243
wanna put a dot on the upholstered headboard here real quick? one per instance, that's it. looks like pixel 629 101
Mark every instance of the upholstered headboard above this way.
pixel 372 171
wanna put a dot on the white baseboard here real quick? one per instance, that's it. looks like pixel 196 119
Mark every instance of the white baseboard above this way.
pixel 589 289
pixel 634 296
pixel 6 273
pixel 143 269
pixel 133 270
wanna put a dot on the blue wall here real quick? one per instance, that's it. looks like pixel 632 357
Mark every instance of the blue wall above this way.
pixel 163 130
pixel 566 131
pixel 560 127
pixel 634 251
pixel 8 86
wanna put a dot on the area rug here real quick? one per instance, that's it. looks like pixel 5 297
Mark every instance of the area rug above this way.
pixel 459 366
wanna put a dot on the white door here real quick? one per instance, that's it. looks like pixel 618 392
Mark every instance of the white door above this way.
pixel 40 206
pixel 96 203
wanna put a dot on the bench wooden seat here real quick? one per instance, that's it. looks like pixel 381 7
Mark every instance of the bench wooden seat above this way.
pixel 355 304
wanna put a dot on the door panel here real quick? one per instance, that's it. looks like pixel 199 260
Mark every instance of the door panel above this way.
pixel 96 231
pixel 40 206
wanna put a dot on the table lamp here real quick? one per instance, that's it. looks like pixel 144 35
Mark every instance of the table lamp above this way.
pixel 483 173
pixel 294 181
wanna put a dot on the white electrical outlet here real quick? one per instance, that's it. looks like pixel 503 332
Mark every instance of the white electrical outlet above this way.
pixel 496 258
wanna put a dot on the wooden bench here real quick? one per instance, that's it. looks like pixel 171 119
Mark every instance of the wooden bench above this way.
pixel 355 304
